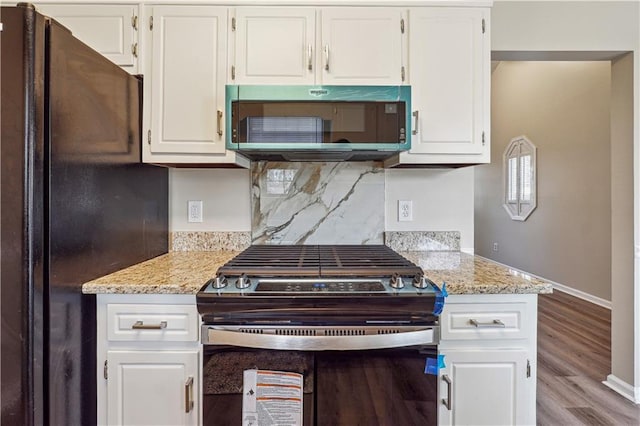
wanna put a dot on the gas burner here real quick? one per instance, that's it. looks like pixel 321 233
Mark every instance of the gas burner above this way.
pixel 319 261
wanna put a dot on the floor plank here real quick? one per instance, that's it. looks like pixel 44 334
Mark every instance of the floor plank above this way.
pixel 574 357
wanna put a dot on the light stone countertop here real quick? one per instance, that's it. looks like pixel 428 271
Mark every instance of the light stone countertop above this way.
pixel 178 272
pixel 468 274
pixel 186 273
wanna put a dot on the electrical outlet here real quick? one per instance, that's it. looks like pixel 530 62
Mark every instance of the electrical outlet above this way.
pixel 194 211
pixel 405 210
pixel 495 246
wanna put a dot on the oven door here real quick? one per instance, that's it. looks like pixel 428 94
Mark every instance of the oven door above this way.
pixel 376 387
pixel 348 379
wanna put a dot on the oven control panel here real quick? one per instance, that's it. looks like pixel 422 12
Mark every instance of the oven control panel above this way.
pixel 289 286
pixel 293 286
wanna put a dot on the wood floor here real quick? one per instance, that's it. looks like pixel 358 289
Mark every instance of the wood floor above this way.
pixel 574 347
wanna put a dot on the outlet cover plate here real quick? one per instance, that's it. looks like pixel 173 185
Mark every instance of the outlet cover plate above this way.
pixel 194 211
pixel 405 210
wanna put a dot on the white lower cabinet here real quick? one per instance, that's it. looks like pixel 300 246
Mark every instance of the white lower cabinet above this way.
pixel 149 360
pixel 484 387
pixel 489 348
pixel 152 387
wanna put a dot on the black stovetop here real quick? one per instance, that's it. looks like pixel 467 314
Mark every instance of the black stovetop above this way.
pixel 319 261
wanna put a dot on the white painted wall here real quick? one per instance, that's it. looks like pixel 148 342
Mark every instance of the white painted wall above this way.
pixel 224 194
pixel 556 30
pixel 569 26
pixel 563 108
pixel 442 201
pixel 622 291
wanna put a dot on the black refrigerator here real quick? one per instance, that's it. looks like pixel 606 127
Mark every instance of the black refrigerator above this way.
pixel 76 203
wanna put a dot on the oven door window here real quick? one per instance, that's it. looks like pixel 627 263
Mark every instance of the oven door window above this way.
pixel 223 380
pixel 375 388
pixel 386 387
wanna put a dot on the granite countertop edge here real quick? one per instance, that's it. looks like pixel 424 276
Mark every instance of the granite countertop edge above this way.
pixel 187 272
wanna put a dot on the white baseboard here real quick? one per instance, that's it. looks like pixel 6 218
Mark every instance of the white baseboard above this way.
pixel 623 388
pixel 582 295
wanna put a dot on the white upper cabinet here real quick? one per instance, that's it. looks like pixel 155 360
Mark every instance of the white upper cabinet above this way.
pixel 449 72
pixel 189 53
pixel 185 78
pixel 362 46
pixel 318 46
pixel 111 29
pixel 274 46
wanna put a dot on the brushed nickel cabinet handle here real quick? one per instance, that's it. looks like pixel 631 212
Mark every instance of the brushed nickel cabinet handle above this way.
pixel 415 122
pixel 188 395
pixel 310 57
pixel 447 402
pixel 219 121
pixel 326 57
pixel 496 323
pixel 140 325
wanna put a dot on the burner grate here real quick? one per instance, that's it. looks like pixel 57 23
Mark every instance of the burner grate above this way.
pixel 319 261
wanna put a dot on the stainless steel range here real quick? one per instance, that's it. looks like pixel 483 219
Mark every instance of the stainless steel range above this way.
pixel 333 304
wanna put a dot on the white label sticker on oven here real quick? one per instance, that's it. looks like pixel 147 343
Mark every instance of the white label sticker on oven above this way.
pixel 271 398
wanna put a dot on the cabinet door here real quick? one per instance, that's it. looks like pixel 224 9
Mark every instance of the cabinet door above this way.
pixel 488 387
pixel 362 46
pixel 449 75
pixel 109 29
pixel 187 76
pixel 275 46
pixel 153 387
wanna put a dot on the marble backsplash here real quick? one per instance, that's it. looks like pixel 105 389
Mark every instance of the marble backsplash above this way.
pixel 317 203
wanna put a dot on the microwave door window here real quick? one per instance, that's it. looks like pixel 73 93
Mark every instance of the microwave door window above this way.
pixel 318 122
pixel 284 129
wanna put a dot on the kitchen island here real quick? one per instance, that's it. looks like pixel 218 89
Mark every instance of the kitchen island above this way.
pixel 149 336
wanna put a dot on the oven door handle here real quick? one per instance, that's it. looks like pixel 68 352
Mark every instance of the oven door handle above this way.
pixel 217 336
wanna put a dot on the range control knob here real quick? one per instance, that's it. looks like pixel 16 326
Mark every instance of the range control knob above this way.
pixel 396 281
pixel 243 282
pixel 420 281
pixel 219 281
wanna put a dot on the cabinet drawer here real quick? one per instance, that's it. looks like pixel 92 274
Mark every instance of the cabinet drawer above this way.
pixel 167 323
pixel 465 321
